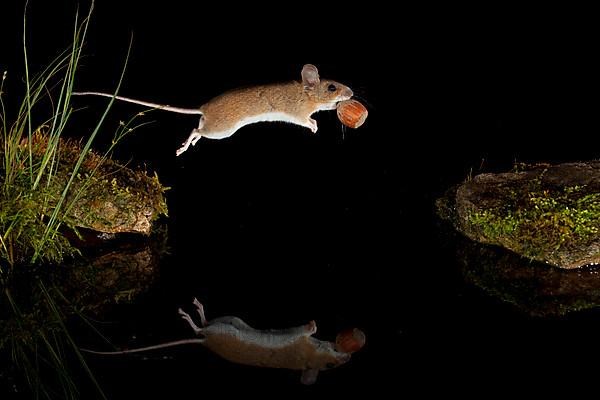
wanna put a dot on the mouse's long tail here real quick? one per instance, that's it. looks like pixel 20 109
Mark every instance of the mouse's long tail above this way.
pixel 155 347
pixel 179 110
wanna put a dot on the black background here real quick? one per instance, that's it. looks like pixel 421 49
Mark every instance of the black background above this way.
pixel 279 226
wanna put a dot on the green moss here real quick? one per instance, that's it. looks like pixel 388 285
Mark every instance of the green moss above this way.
pixel 541 220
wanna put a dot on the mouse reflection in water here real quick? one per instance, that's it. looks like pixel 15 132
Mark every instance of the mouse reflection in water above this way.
pixel 292 348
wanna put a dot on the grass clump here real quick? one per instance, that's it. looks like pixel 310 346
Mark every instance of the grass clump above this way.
pixel 40 183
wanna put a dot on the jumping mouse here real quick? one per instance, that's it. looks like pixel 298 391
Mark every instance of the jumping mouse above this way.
pixel 293 348
pixel 292 102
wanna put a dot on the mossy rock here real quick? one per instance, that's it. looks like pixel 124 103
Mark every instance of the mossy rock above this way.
pixel 549 214
pixel 116 272
pixel 111 197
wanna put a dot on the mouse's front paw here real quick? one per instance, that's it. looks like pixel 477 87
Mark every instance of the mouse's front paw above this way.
pixel 312 125
pixel 311 327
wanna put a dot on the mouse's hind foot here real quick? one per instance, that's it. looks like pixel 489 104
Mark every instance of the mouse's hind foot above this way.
pixel 200 309
pixel 192 139
pixel 190 321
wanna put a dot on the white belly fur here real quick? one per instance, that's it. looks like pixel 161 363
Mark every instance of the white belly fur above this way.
pixel 266 117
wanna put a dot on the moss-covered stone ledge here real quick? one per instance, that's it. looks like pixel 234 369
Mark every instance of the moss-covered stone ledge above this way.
pixel 112 198
pixel 548 213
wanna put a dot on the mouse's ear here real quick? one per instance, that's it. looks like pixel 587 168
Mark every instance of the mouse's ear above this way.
pixel 310 76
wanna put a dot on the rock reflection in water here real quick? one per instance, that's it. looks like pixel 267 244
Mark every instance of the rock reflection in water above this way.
pixel 533 287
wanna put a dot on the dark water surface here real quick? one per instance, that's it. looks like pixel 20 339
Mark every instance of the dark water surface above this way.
pixel 280 227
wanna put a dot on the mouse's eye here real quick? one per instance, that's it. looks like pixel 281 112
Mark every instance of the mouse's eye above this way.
pixel 331 88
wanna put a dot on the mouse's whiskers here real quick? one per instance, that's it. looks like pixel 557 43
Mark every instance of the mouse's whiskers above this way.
pixel 364 100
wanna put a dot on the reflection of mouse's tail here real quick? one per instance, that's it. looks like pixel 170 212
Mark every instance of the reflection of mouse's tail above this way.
pixel 141 349
pixel 165 107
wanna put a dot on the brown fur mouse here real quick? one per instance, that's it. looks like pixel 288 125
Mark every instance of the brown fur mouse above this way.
pixel 293 348
pixel 292 102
